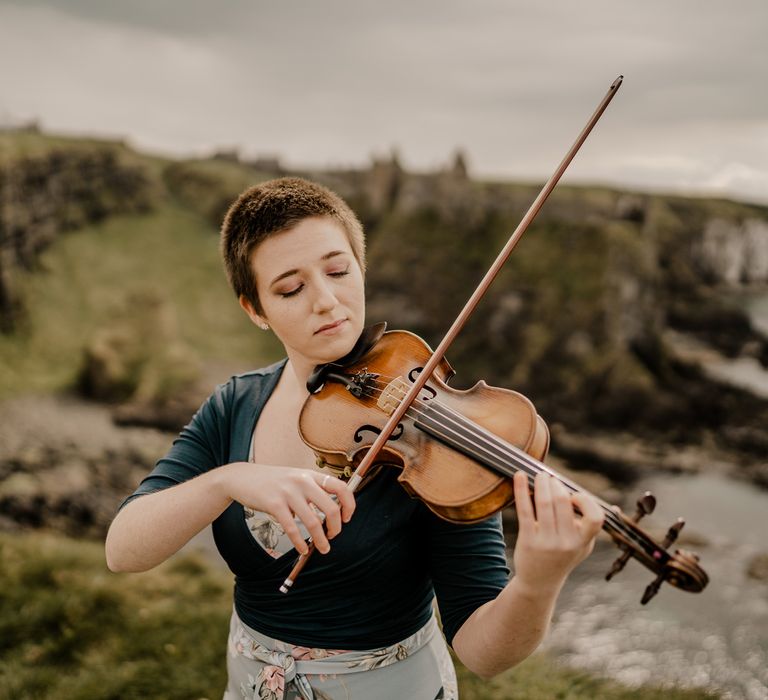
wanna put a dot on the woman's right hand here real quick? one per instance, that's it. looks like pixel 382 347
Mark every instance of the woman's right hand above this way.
pixel 285 492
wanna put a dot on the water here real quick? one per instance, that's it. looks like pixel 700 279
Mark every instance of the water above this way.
pixel 717 638
pixel 757 307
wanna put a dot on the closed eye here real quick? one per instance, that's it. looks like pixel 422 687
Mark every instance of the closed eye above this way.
pixel 294 292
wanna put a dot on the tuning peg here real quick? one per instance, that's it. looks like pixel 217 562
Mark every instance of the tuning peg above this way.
pixel 673 532
pixel 618 565
pixel 645 506
pixel 653 588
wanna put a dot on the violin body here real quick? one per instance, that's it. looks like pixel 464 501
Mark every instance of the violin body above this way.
pixel 458 450
pixel 340 428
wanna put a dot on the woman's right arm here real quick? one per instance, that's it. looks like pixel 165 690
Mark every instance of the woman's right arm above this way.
pixel 152 527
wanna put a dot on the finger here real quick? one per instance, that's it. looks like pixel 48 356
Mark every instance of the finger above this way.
pixel 592 515
pixel 542 497
pixel 346 499
pixel 329 511
pixel 523 504
pixel 313 524
pixel 565 518
pixel 284 516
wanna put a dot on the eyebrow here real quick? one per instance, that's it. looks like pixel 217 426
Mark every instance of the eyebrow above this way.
pixel 288 273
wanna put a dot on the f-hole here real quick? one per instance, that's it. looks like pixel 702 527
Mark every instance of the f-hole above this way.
pixel 412 378
pixel 396 433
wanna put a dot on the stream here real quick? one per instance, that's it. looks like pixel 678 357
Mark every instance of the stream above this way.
pixel 717 638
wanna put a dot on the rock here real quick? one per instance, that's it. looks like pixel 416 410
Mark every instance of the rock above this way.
pixel 733 252
pixel 170 414
pixel 19 485
pixel 757 568
pixel 631 208
pixel 758 474
pixel 139 356
pixel 64 465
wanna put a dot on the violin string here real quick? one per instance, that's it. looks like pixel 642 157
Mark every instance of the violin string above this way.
pixel 490 444
pixel 518 456
pixel 484 437
pixel 510 451
pixel 488 436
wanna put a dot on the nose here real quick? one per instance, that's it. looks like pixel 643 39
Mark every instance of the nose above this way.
pixel 325 300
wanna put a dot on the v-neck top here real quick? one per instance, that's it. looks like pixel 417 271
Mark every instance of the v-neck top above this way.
pixel 377 583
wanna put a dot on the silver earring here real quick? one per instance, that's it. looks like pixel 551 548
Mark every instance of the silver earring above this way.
pixel 264 326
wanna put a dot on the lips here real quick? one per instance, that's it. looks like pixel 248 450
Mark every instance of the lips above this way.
pixel 330 326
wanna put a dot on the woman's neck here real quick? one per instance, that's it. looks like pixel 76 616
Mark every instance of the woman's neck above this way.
pixel 294 380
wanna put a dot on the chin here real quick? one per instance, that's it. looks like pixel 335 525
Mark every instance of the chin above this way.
pixel 334 348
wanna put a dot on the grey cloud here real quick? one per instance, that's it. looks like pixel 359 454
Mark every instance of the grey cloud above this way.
pixel 335 80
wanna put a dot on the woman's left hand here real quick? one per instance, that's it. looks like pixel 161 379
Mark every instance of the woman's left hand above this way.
pixel 553 539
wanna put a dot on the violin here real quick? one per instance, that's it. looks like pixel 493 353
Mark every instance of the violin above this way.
pixel 458 450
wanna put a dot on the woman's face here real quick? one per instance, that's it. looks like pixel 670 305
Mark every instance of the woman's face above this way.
pixel 311 291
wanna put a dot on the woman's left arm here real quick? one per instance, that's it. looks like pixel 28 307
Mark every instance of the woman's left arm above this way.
pixel 552 540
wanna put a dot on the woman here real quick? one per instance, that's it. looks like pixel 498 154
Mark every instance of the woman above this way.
pixel 359 623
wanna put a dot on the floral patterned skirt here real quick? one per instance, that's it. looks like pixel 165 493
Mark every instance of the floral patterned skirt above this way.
pixel 261 668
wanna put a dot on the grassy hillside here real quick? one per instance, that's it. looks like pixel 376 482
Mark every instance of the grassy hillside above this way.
pixel 79 269
pixel 71 629
pixel 116 271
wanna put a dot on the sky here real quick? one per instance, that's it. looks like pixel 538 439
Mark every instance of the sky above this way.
pixel 332 83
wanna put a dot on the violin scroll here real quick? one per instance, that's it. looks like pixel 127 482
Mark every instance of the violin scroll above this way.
pixel 680 569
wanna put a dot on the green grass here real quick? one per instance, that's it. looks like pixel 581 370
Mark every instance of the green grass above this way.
pixel 92 277
pixel 541 678
pixel 71 629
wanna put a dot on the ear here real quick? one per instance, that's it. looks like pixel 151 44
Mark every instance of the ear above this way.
pixel 254 315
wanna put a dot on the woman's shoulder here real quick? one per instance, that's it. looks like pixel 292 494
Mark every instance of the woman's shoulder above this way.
pixel 241 395
pixel 256 376
pixel 246 383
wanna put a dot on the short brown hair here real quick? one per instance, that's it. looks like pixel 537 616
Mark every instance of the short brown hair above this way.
pixel 272 207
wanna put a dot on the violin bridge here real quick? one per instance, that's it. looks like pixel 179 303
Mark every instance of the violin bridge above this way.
pixel 392 395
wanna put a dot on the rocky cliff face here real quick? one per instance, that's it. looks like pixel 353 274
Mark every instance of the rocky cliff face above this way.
pixel 733 252
pixel 44 195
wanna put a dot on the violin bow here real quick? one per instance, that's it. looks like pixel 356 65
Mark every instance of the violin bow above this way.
pixel 461 320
